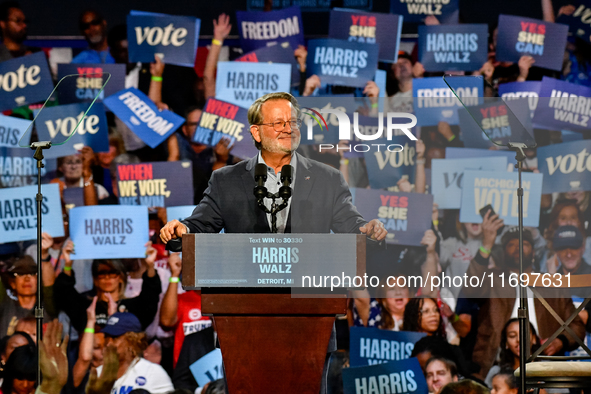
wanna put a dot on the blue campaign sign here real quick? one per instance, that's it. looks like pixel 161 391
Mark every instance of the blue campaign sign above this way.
pixel 341 62
pixel 435 102
pixel 466 153
pixel 566 167
pixel 19 168
pixel 370 28
pixel 521 36
pixel 109 231
pixel 141 115
pixel 258 29
pixel 453 47
pixel 73 197
pixel 92 131
pixel 499 189
pixel 404 214
pixel 447 176
pixel 86 86
pixel 179 213
pixel 563 105
pixel 208 368
pixel 386 167
pixel 415 11
pixel 519 90
pixel 18 213
pixel 159 184
pixel 275 54
pixel 24 80
pixel 173 38
pixel 241 83
pixel 222 120
pixel 497 120
pixel 579 22
pixel 400 377
pixel 365 345
pixel 11 131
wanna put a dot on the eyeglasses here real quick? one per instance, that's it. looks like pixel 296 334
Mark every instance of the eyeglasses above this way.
pixel 107 274
pixel 191 124
pixel 17 275
pixel 94 22
pixel 73 163
pixel 279 125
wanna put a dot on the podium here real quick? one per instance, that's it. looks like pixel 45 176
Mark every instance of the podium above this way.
pixel 273 338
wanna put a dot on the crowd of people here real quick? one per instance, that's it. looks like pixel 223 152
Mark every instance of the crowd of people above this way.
pixel 129 325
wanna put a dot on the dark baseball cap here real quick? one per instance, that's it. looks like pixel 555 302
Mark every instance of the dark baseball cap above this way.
pixel 513 233
pixel 24 265
pixel 121 322
pixel 567 237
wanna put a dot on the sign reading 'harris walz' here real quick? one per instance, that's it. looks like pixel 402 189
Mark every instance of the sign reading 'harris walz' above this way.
pixel 173 37
pixel 141 115
pixel 341 62
pixel 453 47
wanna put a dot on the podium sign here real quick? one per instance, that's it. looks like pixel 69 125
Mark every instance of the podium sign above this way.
pixel 273 260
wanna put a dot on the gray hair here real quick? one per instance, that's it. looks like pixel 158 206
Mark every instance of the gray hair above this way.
pixel 255 117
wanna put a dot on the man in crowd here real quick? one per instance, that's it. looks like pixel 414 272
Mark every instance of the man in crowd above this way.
pixel 502 300
pixel 94 28
pixel 569 245
pixel 440 371
pixel 14 31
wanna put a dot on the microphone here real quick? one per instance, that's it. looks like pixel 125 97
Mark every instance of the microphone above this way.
pixel 260 176
pixel 286 178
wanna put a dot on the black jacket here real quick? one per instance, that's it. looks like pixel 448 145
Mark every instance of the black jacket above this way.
pixel 144 306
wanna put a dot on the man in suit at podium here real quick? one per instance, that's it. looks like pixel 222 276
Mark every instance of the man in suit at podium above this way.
pixel 320 200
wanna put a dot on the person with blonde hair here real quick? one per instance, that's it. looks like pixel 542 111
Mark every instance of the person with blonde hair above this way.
pixel 124 332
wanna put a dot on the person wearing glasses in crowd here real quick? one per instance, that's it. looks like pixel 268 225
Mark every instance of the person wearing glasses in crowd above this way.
pixel 94 29
pixel 13 25
pixel 77 172
pixel 22 278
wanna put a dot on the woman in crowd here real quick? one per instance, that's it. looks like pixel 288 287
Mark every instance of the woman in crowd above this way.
pixel 109 278
pixel 509 355
pixel 385 313
pixel 20 372
pixel 7 346
pixel 124 332
pixel 423 315
pixel 457 252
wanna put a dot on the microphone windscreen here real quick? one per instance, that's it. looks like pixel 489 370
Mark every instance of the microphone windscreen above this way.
pixel 260 170
pixel 286 173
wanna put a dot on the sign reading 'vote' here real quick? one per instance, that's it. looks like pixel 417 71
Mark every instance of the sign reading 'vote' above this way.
pixel 566 167
pixel 499 189
pixel 57 123
pixel 24 80
pixel 172 37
